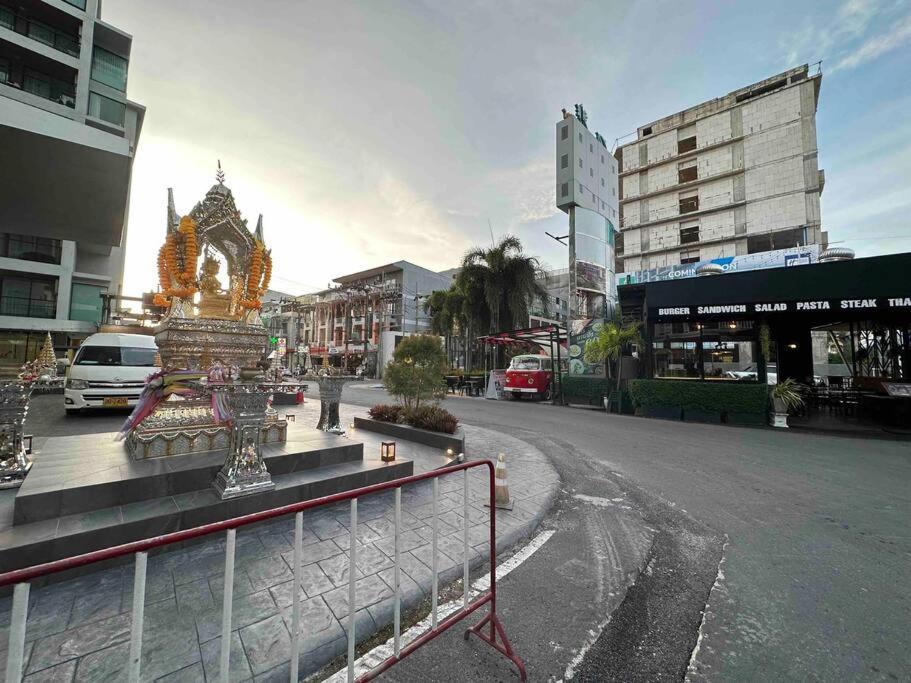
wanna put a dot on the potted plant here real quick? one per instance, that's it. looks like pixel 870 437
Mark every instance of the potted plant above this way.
pixel 785 397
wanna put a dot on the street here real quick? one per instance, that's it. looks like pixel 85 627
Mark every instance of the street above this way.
pixel 816 570
pixel 814 580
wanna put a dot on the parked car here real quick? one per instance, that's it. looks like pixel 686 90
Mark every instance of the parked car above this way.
pixel 529 375
pixel 109 371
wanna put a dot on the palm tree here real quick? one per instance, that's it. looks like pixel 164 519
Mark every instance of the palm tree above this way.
pixel 609 344
pixel 505 279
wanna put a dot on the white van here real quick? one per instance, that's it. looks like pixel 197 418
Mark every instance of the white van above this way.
pixel 109 371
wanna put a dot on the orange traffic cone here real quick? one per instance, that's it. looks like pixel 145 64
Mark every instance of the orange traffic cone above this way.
pixel 501 488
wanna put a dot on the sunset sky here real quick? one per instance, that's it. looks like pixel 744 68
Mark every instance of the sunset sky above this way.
pixel 377 131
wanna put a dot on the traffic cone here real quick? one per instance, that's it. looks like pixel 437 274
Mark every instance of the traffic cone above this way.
pixel 501 488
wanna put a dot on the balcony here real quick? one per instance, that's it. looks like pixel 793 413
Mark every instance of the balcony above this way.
pixel 36 75
pixel 44 25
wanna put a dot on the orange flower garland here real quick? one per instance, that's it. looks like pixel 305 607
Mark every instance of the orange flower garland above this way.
pixel 258 277
pixel 169 266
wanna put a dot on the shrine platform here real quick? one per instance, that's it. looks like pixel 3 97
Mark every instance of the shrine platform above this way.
pixel 86 493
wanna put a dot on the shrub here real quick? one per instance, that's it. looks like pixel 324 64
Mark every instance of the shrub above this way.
pixel 587 390
pixel 715 397
pixel 416 372
pixel 432 418
pixel 386 413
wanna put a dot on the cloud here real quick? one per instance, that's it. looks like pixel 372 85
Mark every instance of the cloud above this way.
pixel 859 31
pixel 898 34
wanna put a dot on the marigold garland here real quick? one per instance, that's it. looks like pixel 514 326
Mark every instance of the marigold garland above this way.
pixel 183 244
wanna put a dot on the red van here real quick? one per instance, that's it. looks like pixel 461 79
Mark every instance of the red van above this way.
pixel 529 376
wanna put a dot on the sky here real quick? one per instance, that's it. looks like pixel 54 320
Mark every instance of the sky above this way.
pixel 370 132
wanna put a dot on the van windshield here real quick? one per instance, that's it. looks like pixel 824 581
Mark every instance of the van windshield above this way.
pixel 116 355
pixel 526 363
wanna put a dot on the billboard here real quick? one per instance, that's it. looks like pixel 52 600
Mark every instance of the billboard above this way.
pixel 780 258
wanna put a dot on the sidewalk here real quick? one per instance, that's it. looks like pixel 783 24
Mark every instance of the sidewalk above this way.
pixel 80 628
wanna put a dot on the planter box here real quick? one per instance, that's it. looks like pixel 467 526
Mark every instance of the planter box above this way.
pixel 407 433
pixel 662 412
pixel 696 415
pixel 746 419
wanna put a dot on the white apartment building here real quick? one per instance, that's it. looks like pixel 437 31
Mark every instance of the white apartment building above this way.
pixel 68 135
pixel 736 175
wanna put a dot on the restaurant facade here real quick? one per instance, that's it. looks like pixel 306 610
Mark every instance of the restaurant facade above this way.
pixel 839 323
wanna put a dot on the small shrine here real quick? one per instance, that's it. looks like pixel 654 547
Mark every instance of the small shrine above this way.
pixel 211 331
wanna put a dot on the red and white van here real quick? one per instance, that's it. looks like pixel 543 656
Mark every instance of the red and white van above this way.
pixel 529 375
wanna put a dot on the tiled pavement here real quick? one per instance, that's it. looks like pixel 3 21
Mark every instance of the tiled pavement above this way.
pixel 79 630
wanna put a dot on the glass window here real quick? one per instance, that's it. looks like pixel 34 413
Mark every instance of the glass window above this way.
pixel 106 109
pixel 76 3
pixel 564 132
pixel 591 250
pixel 525 363
pixel 116 355
pixel 564 161
pixel 85 302
pixel 29 298
pixel 36 84
pixel 7 18
pixel 4 71
pixel 28 248
pixel 109 69
pixel 41 33
pixel 730 351
pixel 675 350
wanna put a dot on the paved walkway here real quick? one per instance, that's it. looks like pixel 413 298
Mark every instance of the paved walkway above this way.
pixel 79 629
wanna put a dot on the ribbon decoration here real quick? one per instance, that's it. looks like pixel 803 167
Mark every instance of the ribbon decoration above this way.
pixel 158 388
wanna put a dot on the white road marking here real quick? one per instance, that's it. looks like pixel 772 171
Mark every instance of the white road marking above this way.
pixel 382 652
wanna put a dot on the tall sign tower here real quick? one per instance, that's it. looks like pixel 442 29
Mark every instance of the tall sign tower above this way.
pixel 587 191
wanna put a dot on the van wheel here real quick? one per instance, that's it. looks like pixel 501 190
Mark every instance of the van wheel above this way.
pixel 546 396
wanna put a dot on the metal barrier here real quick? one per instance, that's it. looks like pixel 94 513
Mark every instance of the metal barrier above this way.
pixel 496 637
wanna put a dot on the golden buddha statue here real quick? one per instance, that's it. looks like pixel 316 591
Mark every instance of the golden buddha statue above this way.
pixel 214 302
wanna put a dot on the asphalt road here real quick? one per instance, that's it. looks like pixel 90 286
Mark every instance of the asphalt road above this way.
pixel 814 584
pixel 816 576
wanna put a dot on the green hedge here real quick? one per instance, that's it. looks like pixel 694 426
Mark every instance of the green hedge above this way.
pixel 588 390
pixel 716 397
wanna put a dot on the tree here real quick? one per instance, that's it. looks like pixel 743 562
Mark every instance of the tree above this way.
pixel 416 371
pixel 609 344
pixel 505 280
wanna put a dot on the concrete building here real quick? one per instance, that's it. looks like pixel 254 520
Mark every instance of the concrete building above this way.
pixel 587 190
pixel 363 317
pixel 68 135
pixel 556 309
pixel 732 176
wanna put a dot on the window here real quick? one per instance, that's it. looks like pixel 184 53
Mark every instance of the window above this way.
pixel 580 137
pixel 581 189
pixel 602 182
pixel 564 161
pixel 41 85
pixel 564 132
pixel 580 162
pixel 7 18
pixel 109 69
pixel 647 131
pixel 688 201
pixel 85 302
pixel 564 189
pixel 602 158
pixel 781 239
pixel 686 171
pixel 675 350
pixel 689 234
pixel 32 298
pixel 41 32
pixel 591 173
pixel 686 145
pixel 106 109
pixel 4 71
pixel 135 357
pixel 689 257
pixel 29 248
pixel 591 148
